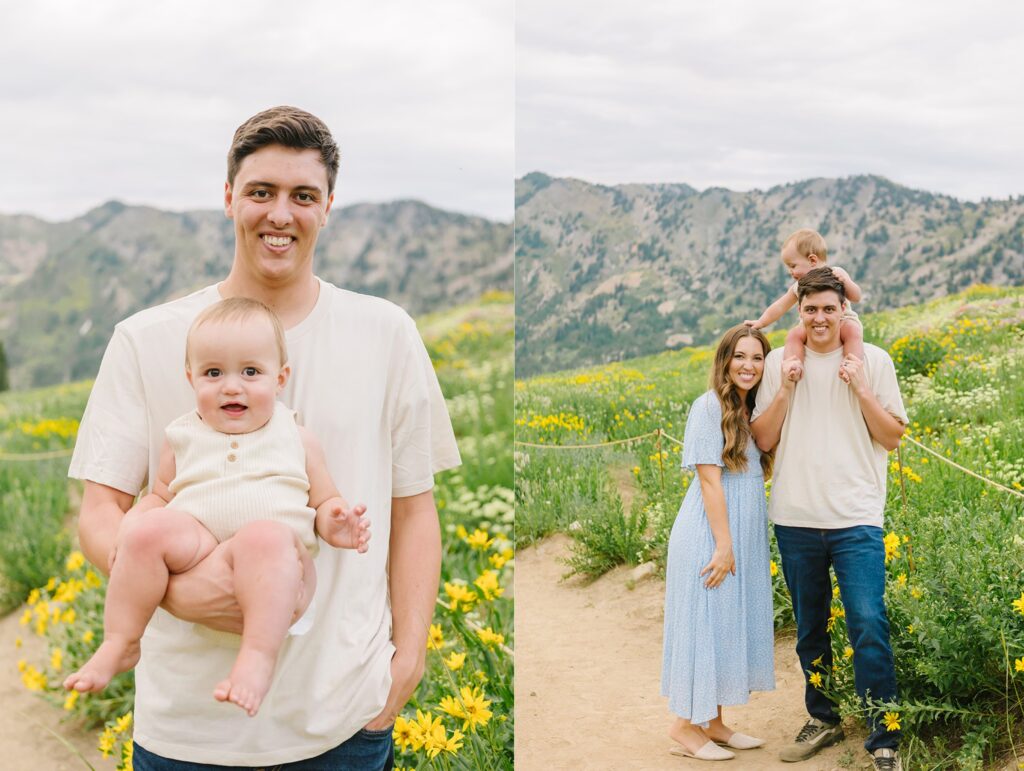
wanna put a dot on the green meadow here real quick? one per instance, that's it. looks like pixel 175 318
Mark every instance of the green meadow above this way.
pixel 461 716
pixel 955 543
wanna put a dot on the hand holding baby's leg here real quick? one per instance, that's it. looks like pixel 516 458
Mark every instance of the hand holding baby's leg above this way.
pixel 150 546
pixel 852 336
pixel 796 339
pixel 268 583
pixel 343 527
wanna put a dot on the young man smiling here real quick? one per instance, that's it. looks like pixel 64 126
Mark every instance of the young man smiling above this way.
pixel 827 502
pixel 364 384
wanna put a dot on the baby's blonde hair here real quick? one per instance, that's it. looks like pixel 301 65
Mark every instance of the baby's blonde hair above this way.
pixel 238 309
pixel 806 242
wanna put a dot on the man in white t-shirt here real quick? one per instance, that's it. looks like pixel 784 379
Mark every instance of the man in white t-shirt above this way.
pixel 363 383
pixel 827 501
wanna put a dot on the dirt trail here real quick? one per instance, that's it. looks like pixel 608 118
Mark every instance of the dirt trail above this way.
pixel 588 668
pixel 25 742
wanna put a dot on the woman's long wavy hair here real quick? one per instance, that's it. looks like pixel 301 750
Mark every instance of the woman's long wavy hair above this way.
pixel 735 424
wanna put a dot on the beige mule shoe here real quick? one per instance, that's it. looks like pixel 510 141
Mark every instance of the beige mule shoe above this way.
pixel 709 751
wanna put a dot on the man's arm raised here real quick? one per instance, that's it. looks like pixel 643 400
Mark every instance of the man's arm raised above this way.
pixel 414 571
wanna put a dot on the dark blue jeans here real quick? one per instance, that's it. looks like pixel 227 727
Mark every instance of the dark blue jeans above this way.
pixel 857 554
pixel 366 751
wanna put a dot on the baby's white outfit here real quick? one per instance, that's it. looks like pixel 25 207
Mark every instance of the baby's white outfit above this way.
pixel 228 480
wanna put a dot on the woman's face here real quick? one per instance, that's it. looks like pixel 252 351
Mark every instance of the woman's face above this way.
pixel 747 363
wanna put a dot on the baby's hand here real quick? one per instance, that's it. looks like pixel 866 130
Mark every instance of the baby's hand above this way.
pixel 755 324
pixel 343 528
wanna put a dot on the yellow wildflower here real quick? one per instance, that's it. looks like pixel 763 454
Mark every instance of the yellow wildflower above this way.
pixel 92 580
pixel 406 734
pixel 123 723
pixel 487 582
pixel 892 721
pixel 916 593
pixel 773 568
pixel 69 701
pixel 75 561
pixel 107 741
pixel 1018 665
pixel 17 642
pixel 474 708
pixel 68 616
pixel 815 679
pixel 489 637
pixel 87 636
pixel 455 661
pixel 901 579
pixel 57 660
pixel 892 547
pixel 25 617
pixel 500 558
pixel 817 661
pixel 1019 604
pixel 479 540
pixel 460 596
pixel 847 652
pixel 51 583
pixel 33 597
pixel 435 639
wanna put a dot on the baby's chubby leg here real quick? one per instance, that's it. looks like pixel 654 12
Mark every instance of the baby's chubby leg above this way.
pixel 796 339
pixel 150 546
pixel 268 583
pixel 852 336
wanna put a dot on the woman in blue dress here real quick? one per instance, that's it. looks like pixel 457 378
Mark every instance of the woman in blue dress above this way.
pixel 718 599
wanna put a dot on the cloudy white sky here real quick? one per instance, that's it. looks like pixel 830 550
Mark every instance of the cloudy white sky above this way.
pixel 138 101
pixel 748 94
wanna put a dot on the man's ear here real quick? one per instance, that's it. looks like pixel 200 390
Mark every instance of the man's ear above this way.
pixel 327 209
pixel 227 201
pixel 282 377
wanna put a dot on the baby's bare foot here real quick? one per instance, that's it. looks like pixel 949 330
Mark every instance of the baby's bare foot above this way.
pixel 114 656
pixel 248 682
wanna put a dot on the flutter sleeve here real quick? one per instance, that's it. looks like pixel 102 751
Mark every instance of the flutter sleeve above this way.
pixel 703 441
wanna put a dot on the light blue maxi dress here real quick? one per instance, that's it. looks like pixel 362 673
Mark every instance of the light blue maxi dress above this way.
pixel 718 642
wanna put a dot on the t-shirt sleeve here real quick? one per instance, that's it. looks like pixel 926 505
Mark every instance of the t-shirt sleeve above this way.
pixel 112 447
pixel 886 387
pixel 771 381
pixel 703 440
pixel 422 439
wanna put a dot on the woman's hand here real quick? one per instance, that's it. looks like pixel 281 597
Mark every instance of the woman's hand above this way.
pixel 722 564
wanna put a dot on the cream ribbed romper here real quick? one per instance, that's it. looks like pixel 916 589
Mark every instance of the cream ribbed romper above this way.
pixel 228 480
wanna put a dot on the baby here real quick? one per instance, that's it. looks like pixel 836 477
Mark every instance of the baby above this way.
pixel 803 251
pixel 237 470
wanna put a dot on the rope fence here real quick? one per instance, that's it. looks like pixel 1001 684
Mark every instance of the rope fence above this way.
pixel 660 432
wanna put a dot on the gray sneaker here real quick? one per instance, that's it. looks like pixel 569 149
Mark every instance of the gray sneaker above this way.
pixel 815 736
pixel 887 760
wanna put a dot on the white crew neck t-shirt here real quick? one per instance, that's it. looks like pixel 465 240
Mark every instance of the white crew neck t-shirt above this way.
pixel 363 383
pixel 829 473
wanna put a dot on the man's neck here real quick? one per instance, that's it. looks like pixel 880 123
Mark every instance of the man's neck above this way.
pixel 825 348
pixel 291 302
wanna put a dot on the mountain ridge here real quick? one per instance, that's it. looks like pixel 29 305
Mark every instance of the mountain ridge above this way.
pixel 611 272
pixel 63 285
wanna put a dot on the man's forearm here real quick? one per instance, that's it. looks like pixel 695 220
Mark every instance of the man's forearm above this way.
pixel 98 521
pixel 414 572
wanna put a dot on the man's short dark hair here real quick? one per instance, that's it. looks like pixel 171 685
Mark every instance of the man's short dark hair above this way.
pixel 819 280
pixel 287 126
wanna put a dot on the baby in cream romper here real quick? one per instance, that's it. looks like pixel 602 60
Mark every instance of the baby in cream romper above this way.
pixel 239 481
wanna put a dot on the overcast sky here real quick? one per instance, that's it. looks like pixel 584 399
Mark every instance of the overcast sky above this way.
pixel 138 101
pixel 750 94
